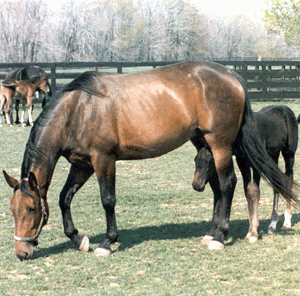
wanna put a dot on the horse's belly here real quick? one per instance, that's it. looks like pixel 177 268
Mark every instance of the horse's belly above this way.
pixel 152 146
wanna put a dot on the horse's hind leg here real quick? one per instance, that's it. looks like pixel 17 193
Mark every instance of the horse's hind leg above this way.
pixel 289 158
pixel 227 183
pixel 78 175
pixel 274 216
pixel 252 194
pixel 105 169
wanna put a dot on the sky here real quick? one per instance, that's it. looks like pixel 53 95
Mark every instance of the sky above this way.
pixel 252 9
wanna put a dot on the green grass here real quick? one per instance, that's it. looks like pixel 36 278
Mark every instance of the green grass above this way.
pixel 161 222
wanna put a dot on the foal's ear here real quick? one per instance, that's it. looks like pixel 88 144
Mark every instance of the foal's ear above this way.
pixel 12 182
pixel 32 181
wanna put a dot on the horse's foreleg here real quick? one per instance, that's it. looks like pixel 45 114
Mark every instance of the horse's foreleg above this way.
pixel 76 178
pixel 23 113
pixel 227 183
pixel 105 168
pixel 29 103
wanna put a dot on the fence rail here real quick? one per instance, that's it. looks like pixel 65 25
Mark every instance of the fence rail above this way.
pixel 265 79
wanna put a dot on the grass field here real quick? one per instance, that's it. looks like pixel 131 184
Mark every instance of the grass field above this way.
pixel 161 222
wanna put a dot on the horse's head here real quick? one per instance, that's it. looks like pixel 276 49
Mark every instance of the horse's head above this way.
pixel 204 163
pixel 42 83
pixel 30 211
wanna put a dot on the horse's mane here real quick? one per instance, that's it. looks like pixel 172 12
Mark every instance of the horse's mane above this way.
pixel 88 82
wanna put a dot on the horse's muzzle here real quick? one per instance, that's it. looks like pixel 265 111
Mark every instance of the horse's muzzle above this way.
pixel 24 250
pixel 198 186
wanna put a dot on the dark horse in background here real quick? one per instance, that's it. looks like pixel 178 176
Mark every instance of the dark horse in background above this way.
pixel 29 73
pixel 99 119
pixel 278 129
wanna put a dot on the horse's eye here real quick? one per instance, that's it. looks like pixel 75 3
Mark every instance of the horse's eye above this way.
pixel 32 210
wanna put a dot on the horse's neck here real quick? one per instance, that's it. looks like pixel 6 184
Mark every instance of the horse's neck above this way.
pixel 41 156
pixel 34 85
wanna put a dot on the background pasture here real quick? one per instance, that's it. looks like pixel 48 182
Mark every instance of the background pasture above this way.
pixel 161 222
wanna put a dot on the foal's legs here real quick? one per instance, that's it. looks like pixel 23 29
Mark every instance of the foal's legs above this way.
pixel 8 110
pixel 78 175
pixel 215 186
pixel 274 216
pixel 29 103
pixel 105 168
pixel 289 158
pixel 23 113
pixel 252 194
pixel 17 104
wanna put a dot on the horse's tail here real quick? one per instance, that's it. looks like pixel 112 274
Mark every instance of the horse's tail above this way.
pixel 252 147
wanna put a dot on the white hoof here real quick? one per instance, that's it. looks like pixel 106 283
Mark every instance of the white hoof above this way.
pixel 85 244
pixel 100 252
pixel 215 245
pixel 207 239
pixel 286 226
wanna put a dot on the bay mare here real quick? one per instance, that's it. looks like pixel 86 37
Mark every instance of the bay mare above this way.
pixel 278 129
pixel 101 118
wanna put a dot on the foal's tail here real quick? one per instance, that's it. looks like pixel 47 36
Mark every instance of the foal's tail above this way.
pixel 252 147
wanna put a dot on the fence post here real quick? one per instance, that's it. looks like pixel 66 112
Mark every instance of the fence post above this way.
pixel 53 79
pixel 119 67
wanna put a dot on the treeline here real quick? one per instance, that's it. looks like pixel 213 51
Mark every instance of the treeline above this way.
pixel 128 30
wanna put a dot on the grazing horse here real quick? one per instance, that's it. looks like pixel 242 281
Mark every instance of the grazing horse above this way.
pixel 278 130
pixel 99 119
pixel 23 90
pixel 30 73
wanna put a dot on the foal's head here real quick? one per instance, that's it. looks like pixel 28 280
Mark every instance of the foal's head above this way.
pixel 42 83
pixel 30 212
pixel 204 163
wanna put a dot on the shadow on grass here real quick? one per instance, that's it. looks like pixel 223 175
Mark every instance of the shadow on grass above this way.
pixel 131 237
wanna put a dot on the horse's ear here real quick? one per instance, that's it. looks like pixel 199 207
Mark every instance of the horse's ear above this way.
pixel 32 181
pixel 12 182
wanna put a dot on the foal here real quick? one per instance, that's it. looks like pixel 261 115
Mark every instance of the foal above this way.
pixel 23 90
pixel 278 130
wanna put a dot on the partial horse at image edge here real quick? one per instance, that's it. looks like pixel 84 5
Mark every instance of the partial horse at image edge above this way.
pixel 278 130
pixel 101 118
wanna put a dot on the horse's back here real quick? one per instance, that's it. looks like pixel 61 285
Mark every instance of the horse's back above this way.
pixel 160 109
pixel 278 124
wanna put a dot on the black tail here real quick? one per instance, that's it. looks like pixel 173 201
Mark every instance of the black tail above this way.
pixel 252 147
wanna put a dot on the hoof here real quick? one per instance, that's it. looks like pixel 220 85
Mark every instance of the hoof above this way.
pixel 271 230
pixel 285 227
pixel 85 244
pixel 207 239
pixel 100 252
pixel 215 245
pixel 252 239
